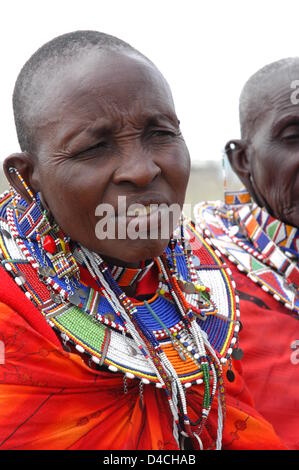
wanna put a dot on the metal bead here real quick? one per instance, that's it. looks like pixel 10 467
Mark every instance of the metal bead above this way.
pixel 56 298
pixel 230 375
pixel 238 354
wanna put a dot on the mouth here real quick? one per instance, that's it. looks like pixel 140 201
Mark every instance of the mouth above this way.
pixel 142 211
pixel 154 217
pixel 143 217
pixel 140 207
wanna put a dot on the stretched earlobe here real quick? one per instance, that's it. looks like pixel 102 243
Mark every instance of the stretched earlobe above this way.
pixel 237 154
pixel 23 163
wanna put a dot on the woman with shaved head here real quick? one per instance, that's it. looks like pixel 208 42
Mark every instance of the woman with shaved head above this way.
pixel 119 321
pixel 257 231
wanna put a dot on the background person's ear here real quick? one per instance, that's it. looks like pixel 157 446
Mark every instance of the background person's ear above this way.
pixel 237 153
pixel 23 162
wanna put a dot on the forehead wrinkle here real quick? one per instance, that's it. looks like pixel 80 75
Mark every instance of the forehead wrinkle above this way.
pixel 91 129
pixel 279 107
pixel 91 103
pixel 256 96
pixel 269 103
pixel 84 104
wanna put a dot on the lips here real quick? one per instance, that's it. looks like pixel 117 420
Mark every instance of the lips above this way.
pixel 142 210
pixel 142 215
pixel 139 207
pixel 151 216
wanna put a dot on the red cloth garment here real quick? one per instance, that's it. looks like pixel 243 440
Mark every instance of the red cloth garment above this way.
pixel 270 365
pixel 50 399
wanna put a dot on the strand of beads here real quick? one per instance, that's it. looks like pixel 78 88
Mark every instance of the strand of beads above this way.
pixel 153 354
pixel 184 247
pixel 221 393
pixel 214 373
pixel 99 272
pixel 175 382
pixel 216 366
pixel 29 256
pixel 153 346
pixel 196 334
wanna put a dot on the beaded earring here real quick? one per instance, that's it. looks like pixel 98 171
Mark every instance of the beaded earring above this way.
pixel 178 236
pixel 234 192
pixel 34 224
pixel 190 285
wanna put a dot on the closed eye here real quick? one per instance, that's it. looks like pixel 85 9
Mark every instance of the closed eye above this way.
pixel 291 137
pixel 290 133
pixel 100 146
pixel 163 133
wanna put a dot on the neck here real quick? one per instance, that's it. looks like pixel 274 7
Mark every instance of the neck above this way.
pixel 127 275
pixel 123 264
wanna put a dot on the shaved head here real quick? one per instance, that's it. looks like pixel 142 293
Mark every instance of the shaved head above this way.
pixel 266 158
pixel 256 95
pixel 45 68
pixel 96 120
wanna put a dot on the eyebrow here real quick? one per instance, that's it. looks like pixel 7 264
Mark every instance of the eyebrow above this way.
pixel 103 124
pixel 93 130
pixel 156 118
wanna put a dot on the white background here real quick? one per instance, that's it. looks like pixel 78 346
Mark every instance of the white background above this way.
pixel 205 49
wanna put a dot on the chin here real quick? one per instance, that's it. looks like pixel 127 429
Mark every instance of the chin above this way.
pixel 290 215
pixel 292 219
pixel 134 251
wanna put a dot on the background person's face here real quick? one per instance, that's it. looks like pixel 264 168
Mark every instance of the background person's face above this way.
pixel 273 150
pixel 110 130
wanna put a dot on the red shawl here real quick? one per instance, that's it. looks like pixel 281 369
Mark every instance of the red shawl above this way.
pixel 271 366
pixel 50 399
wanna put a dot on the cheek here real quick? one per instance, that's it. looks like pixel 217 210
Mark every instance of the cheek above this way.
pixel 264 161
pixel 175 166
pixel 72 194
pixel 275 174
pixel 274 171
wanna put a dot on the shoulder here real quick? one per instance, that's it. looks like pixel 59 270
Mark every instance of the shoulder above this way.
pixel 16 309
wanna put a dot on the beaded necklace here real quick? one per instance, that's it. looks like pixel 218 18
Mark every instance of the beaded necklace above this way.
pixel 258 244
pixel 284 236
pixel 129 276
pixel 180 337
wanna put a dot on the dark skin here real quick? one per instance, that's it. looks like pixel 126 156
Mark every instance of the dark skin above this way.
pixel 267 162
pixel 108 128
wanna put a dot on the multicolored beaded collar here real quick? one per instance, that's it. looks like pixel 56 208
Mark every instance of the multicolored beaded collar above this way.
pixel 265 248
pixel 284 236
pixel 129 276
pixel 179 337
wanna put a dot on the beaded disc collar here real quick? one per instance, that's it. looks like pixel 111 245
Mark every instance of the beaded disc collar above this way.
pixel 263 247
pixel 219 317
pixel 181 336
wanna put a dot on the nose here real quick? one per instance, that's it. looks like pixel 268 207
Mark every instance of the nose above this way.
pixel 139 169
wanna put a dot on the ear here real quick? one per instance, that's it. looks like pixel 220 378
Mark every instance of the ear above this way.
pixel 26 166
pixel 238 155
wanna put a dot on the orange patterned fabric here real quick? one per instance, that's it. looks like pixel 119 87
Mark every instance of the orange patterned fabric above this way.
pixel 50 399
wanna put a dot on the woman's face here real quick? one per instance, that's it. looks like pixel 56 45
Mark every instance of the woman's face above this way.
pixel 110 129
pixel 273 151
